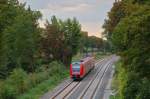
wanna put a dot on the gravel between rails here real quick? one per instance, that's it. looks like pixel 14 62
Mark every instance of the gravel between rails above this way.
pixel 91 88
pixel 70 89
pixel 99 93
pixel 85 81
pixel 67 90
pixel 57 89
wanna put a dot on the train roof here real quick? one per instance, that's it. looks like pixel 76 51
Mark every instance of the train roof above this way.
pixel 86 59
pixel 78 62
pixel 82 60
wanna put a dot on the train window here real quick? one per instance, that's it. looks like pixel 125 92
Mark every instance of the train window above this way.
pixel 76 67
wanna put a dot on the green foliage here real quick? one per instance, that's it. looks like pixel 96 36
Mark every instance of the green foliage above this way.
pixel 19 82
pixel 138 1
pixel 5 11
pixel 130 37
pixel 19 37
pixel 131 87
pixel 134 41
pixel 115 15
pixel 136 88
pixel 20 42
pixel 7 92
pixel 23 44
pixel 56 72
pixel 92 42
pixel 15 84
pixel 95 42
pixel 62 39
pixel 83 42
pixel 119 80
pixel 145 90
pixel 119 11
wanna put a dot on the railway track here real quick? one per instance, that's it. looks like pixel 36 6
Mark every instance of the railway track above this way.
pixel 86 90
pixel 89 85
pixel 66 91
pixel 91 88
pixel 82 82
pixel 62 93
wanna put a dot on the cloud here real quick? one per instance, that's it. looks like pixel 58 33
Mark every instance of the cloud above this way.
pixel 93 28
pixel 76 7
pixel 67 7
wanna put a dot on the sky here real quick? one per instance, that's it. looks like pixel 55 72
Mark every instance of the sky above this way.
pixel 90 13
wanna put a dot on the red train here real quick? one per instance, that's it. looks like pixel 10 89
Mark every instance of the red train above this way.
pixel 79 69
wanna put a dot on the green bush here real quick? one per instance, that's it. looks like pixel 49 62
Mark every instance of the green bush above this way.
pixel 131 39
pixel 7 91
pixel 19 79
pixel 132 86
pixel 144 92
pixel 15 84
pixel 19 82
pixel 56 72
pixel 119 80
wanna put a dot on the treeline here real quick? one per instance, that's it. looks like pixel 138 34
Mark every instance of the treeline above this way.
pixel 128 27
pixel 93 44
pixel 61 40
pixel 19 37
pixel 28 53
pixel 23 44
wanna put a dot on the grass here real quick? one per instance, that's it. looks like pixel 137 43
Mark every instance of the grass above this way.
pixel 40 89
pixel 20 85
pixel 114 97
pixel 119 75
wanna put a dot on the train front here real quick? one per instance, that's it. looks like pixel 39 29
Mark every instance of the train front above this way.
pixel 76 70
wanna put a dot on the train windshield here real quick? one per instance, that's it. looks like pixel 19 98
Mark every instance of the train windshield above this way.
pixel 76 67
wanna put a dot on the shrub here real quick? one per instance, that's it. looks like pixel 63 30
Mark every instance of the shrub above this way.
pixel 19 79
pixel 15 84
pixel 119 80
pixel 144 92
pixel 20 82
pixel 56 68
pixel 7 91
pixel 131 87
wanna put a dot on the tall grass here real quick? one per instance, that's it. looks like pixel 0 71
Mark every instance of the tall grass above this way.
pixel 26 86
pixel 119 80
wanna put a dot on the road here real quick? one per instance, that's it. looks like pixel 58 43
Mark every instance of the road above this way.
pixel 91 87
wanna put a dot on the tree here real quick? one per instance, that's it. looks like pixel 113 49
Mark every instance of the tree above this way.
pixel 63 39
pixel 114 16
pixel 84 42
pixel 6 9
pixel 19 37
pixel 134 38
pixel 131 39
pixel 127 27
